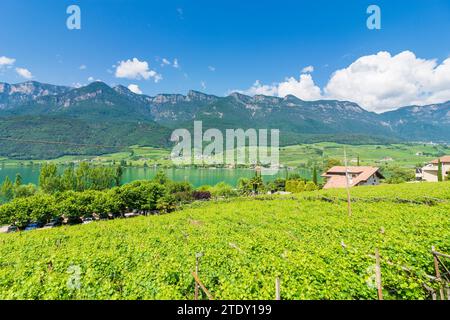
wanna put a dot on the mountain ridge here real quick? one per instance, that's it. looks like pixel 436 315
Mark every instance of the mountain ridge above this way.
pixel 101 110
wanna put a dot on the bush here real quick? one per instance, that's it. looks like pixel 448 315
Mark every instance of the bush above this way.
pixel 223 190
pixel 201 195
pixel 278 184
pixel 310 186
pixel 183 197
pixel 166 204
pixel 295 186
pixel 397 174
pixel 176 187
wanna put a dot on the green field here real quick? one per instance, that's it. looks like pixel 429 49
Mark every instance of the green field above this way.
pixel 305 155
pixel 405 155
pixel 307 240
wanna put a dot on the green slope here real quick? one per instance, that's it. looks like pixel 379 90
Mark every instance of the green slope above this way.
pixel 316 250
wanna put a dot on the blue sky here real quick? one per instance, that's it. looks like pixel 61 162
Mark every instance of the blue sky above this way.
pixel 219 45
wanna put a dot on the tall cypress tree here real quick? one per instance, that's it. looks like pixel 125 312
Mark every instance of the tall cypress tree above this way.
pixel 18 181
pixel 314 177
pixel 440 177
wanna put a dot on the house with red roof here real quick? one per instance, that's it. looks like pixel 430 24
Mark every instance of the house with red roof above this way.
pixel 357 176
pixel 430 171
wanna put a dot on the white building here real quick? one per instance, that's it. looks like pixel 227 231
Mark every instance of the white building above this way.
pixel 430 171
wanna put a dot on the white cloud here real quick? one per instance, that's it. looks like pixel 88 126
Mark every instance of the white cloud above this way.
pixel 5 61
pixel 135 69
pixel 134 88
pixel 83 67
pixel 203 85
pixel 383 82
pixel 91 79
pixel 308 69
pixel 175 63
pixel 165 62
pixel 379 83
pixel 24 73
pixel 211 68
pixel 303 88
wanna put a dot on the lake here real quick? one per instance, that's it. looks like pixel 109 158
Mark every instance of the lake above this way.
pixel 196 176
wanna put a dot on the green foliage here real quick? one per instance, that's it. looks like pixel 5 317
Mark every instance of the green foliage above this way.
pixel 166 204
pixel 223 190
pixel 7 190
pixel 21 211
pixel 18 181
pixel 396 174
pixel 81 178
pixel 440 173
pixel 310 186
pixel 331 162
pixel 309 243
pixel 314 177
pixel 295 186
pixel 278 184
pixel 25 190
pixel 49 180
pixel 161 177
pixel 244 187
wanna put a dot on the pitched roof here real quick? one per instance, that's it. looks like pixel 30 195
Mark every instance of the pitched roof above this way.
pixel 444 159
pixel 336 176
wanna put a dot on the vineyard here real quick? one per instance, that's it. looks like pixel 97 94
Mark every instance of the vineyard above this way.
pixel 308 241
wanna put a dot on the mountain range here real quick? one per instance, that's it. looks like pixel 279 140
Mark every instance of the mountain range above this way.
pixel 39 121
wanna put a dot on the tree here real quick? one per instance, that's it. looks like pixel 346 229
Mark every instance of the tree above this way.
pixel 68 180
pixel 161 177
pixel 398 174
pixel 49 180
pixel 257 184
pixel 358 161
pixel 440 173
pixel 25 190
pixel 42 208
pixel 118 175
pixel 314 177
pixel 7 189
pixel 330 163
pixel 244 186
pixel 18 181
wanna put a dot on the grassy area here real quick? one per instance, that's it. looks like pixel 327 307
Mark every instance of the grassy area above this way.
pixel 308 241
pixel 405 155
pixel 306 155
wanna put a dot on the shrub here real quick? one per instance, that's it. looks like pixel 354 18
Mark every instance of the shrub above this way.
pixel 223 190
pixel 201 195
pixel 166 204
pixel 310 186
pixel 295 186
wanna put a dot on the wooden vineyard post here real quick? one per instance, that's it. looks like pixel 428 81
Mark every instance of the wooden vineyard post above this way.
pixel 378 275
pixel 438 273
pixel 448 291
pixel 277 289
pixel 347 183
pixel 197 280
pixel 197 258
